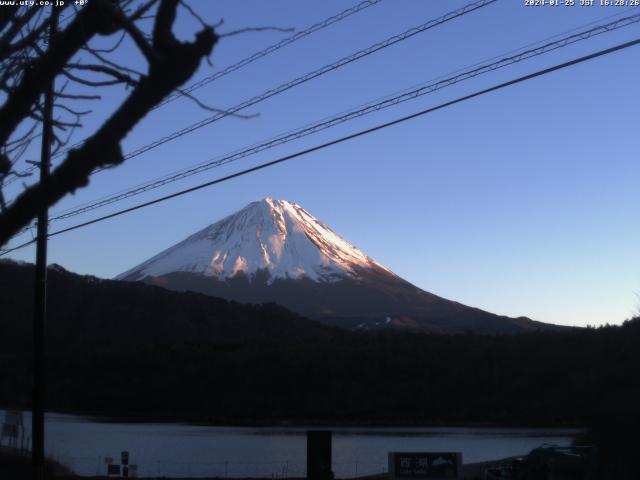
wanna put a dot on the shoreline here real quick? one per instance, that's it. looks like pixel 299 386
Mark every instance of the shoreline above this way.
pixel 18 465
pixel 136 418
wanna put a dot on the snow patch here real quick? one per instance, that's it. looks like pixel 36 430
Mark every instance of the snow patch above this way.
pixel 274 235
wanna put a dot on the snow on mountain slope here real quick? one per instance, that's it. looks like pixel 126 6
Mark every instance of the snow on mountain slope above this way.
pixel 275 235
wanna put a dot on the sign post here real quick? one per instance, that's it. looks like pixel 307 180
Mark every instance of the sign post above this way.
pixel 425 465
pixel 13 428
pixel 113 469
pixel 319 455
pixel 124 459
pixel 123 469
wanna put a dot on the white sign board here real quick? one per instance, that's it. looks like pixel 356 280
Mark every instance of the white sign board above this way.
pixel 425 465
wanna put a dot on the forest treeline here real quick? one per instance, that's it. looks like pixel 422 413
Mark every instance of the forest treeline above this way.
pixel 140 351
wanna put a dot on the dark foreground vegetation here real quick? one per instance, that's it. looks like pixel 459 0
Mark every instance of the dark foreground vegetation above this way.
pixel 546 379
pixel 140 351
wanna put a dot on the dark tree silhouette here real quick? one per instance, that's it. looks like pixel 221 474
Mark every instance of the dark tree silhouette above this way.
pixel 76 56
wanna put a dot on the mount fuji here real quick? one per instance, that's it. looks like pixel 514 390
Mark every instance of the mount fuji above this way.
pixel 275 251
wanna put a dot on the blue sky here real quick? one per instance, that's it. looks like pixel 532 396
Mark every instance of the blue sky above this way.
pixel 521 202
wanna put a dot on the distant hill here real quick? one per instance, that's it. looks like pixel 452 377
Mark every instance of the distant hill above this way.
pixel 275 251
pixel 87 313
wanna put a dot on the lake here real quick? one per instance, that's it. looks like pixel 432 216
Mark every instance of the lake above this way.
pixel 183 450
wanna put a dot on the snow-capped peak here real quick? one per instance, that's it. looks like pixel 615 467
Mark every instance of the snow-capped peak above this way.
pixel 273 235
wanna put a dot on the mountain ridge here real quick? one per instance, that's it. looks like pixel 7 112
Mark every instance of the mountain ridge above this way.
pixel 275 235
pixel 275 251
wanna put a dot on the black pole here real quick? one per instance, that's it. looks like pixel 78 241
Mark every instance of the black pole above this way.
pixel 319 455
pixel 40 290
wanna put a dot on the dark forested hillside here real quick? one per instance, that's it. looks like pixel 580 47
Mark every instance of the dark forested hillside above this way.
pixel 91 314
pixel 233 363
pixel 374 300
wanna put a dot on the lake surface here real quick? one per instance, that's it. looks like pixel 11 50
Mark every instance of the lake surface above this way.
pixel 182 450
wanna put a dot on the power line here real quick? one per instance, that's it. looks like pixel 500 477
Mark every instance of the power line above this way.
pixel 6 251
pixel 515 50
pixel 242 63
pixel 342 118
pixel 346 138
pixel 314 74
pixel 272 48
pixel 309 76
pixel 62 19
pixel 404 91
pixel 256 56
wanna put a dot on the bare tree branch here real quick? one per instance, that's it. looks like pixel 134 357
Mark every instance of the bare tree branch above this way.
pixel 78 97
pixel 30 39
pixel 113 72
pixel 14 30
pixel 42 70
pixel 144 8
pixel 97 83
pixel 204 106
pixel 98 54
pixel 140 39
pixel 255 29
pixel 170 65
pixel 70 110
pixel 194 14
pixel 7 15
pixel 110 49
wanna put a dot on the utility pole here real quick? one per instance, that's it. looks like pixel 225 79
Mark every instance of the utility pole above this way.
pixel 40 290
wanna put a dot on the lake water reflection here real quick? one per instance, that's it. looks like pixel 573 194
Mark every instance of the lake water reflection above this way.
pixel 182 450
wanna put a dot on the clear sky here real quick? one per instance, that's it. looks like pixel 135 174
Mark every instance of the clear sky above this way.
pixel 521 202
